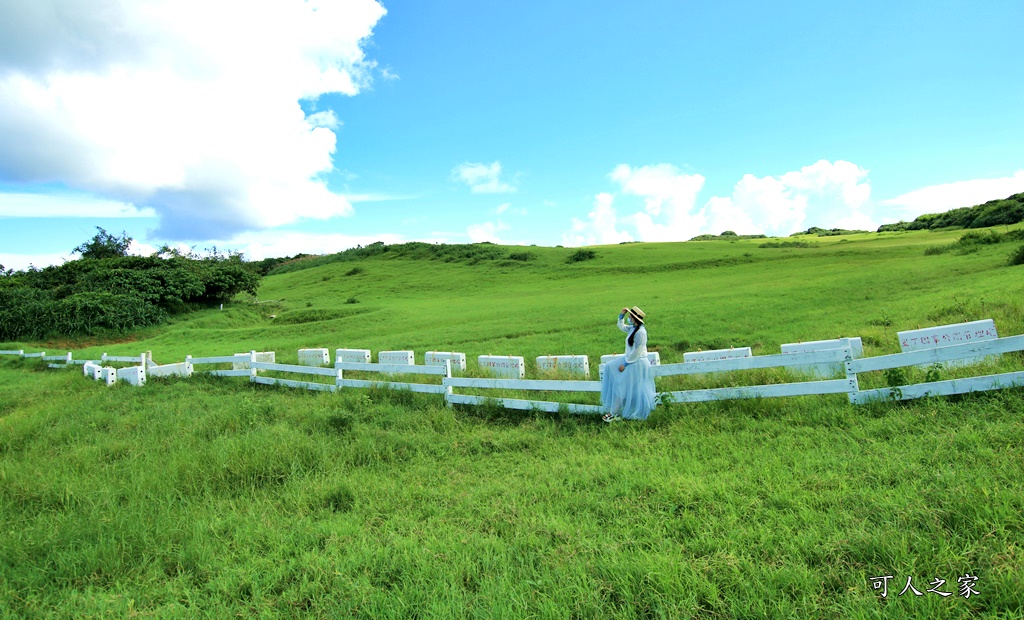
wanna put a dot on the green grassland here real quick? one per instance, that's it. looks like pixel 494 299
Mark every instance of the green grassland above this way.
pixel 213 497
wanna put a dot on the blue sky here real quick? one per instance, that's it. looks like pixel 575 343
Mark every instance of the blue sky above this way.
pixel 295 126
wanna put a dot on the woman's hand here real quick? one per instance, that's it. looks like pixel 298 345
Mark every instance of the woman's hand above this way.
pixel 622 367
pixel 625 311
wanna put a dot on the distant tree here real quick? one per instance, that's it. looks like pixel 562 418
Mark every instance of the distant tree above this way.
pixel 105 245
pixel 728 233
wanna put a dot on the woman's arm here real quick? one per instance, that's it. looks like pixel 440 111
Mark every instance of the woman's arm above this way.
pixel 622 323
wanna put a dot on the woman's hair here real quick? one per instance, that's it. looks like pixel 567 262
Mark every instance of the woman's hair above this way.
pixel 636 327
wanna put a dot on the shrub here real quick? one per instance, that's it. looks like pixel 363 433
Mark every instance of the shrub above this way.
pixel 581 255
pixel 522 256
pixel 107 291
pixel 788 244
pixel 1017 257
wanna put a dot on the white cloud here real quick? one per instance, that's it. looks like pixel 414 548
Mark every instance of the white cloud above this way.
pixel 64 206
pixel 669 197
pixel 482 178
pixel 825 194
pixel 487 231
pixel 600 227
pixel 941 198
pixel 185 106
pixel 20 262
pixel 388 74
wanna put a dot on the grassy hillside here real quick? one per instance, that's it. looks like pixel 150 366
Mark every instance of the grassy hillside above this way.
pixel 697 295
pixel 216 498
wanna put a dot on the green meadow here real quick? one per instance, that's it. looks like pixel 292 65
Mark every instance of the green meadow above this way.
pixel 212 497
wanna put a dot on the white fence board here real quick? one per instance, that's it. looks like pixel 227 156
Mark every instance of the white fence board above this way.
pixel 427 388
pixel 752 363
pixel 19 352
pixel 228 373
pixel 508 366
pixel 307 385
pixel 66 358
pixel 525 384
pixel 305 370
pixel 822 371
pixel 946 335
pixel 134 375
pixel 38 354
pixel 396 357
pixel 359 356
pixel 514 403
pixel 807 388
pixel 109 375
pixel 92 371
pixel 570 363
pixel 716 354
pixel 437 358
pixel 259 356
pixel 181 369
pixel 942 388
pixel 128 359
pixel 393 369
pixel 314 357
pixel 219 359
pixel 924 357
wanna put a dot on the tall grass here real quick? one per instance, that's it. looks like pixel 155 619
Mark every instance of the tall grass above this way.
pixel 214 497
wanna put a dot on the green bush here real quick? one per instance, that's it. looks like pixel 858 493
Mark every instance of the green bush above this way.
pixel 1017 257
pixel 108 292
pixel 581 255
pixel 993 213
pixel 789 244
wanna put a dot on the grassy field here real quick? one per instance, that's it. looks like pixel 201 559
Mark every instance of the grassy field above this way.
pixel 216 498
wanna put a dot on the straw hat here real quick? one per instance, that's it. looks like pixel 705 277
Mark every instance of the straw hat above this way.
pixel 637 314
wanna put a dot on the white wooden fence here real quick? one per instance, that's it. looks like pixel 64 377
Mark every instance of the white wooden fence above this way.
pixel 845 357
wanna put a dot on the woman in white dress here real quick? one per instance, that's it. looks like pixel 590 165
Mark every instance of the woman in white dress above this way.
pixel 627 389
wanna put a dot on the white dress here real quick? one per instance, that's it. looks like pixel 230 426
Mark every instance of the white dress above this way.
pixel 630 393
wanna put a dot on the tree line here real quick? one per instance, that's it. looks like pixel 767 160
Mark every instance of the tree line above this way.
pixel 108 291
pixel 992 213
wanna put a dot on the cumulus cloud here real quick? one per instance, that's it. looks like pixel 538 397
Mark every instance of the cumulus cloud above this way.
pixel 65 205
pixel 669 197
pixel 257 245
pixel 482 178
pixel 20 262
pixel 940 198
pixel 486 231
pixel 188 107
pixel 600 227
pixel 833 194
pixel 823 194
